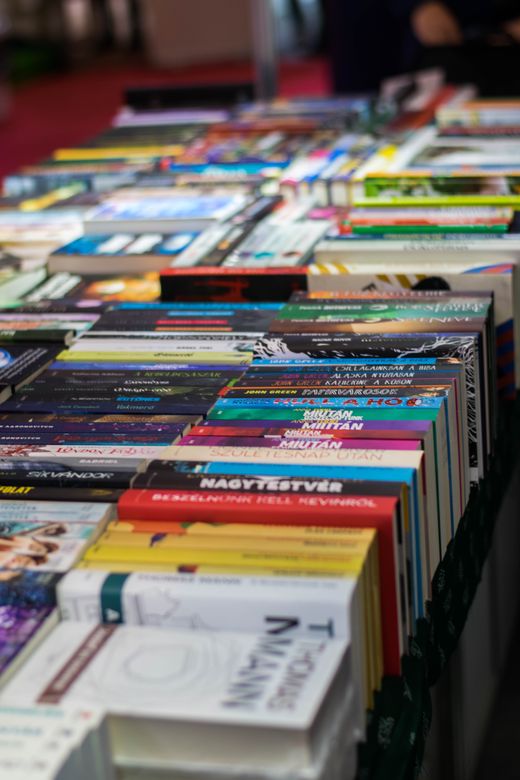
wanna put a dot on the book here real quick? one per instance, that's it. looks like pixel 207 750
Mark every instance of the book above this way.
pixel 64 421
pixel 43 742
pixel 196 317
pixel 55 464
pixel 281 606
pixel 56 451
pixel 182 694
pixel 70 290
pixel 161 374
pixel 374 219
pixel 313 607
pixel 22 629
pixel 121 253
pixel 179 356
pixel 54 546
pixel 425 188
pixel 100 439
pixel 218 283
pixel 47 484
pixel 40 511
pixel 162 215
pixel 52 336
pixel 28 588
pixel 273 244
pixel 21 363
pixel 95 403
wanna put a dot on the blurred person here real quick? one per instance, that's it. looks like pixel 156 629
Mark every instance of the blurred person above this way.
pixel 375 39
pixel 105 23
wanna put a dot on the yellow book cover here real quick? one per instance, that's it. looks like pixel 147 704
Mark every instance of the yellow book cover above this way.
pixel 131 566
pixel 358 543
pixel 231 529
pixel 118 152
pixel 348 561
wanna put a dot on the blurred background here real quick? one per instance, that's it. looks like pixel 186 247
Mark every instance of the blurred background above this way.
pixel 64 64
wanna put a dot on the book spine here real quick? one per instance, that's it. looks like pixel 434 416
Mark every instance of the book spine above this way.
pixel 345 457
pixel 13 336
pixel 162 475
pixel 348 564
pixel 299 443
pixel 98 596
pixel 43 477
pixel 255 508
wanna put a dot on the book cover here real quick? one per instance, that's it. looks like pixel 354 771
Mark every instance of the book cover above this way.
pixel 123 253
pixel 51 547
pixel 163 215
pixel 55 485
pixel 219 283
pixel 103 419
pixel 288 606
pixel 40 511
pixel 195 681
pixel 20 363
pixel 293 429
pixel 57 451
pixel 31 589
pixel 299 443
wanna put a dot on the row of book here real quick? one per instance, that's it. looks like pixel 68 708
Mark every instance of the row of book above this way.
pixel 221 514
pixel 288 499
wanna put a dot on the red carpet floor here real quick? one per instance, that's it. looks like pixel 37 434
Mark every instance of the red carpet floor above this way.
pixel 61 110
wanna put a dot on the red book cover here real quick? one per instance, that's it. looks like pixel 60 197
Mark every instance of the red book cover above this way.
pixel 177 506
pixel 206 270
pixel 215 283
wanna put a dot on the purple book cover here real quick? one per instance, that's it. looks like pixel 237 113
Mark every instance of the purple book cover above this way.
pixel 17 626
pixel 355 424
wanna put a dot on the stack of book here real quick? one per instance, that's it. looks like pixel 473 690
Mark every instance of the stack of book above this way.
pixel 44 742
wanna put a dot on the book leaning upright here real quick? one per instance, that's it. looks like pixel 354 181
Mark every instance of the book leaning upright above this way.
pixel 169 692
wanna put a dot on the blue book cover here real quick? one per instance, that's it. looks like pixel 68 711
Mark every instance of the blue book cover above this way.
pixel 208 207
pixel 122 244
pixel 415 401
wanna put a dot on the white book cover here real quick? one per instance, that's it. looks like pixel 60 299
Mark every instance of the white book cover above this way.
pixel 182 676
pixel 45 511
pixel 285 606
pixel 117 344
pixel 31 729
pixel 387 458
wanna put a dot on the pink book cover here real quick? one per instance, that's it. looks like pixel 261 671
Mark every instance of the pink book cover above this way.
pixel 301 444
